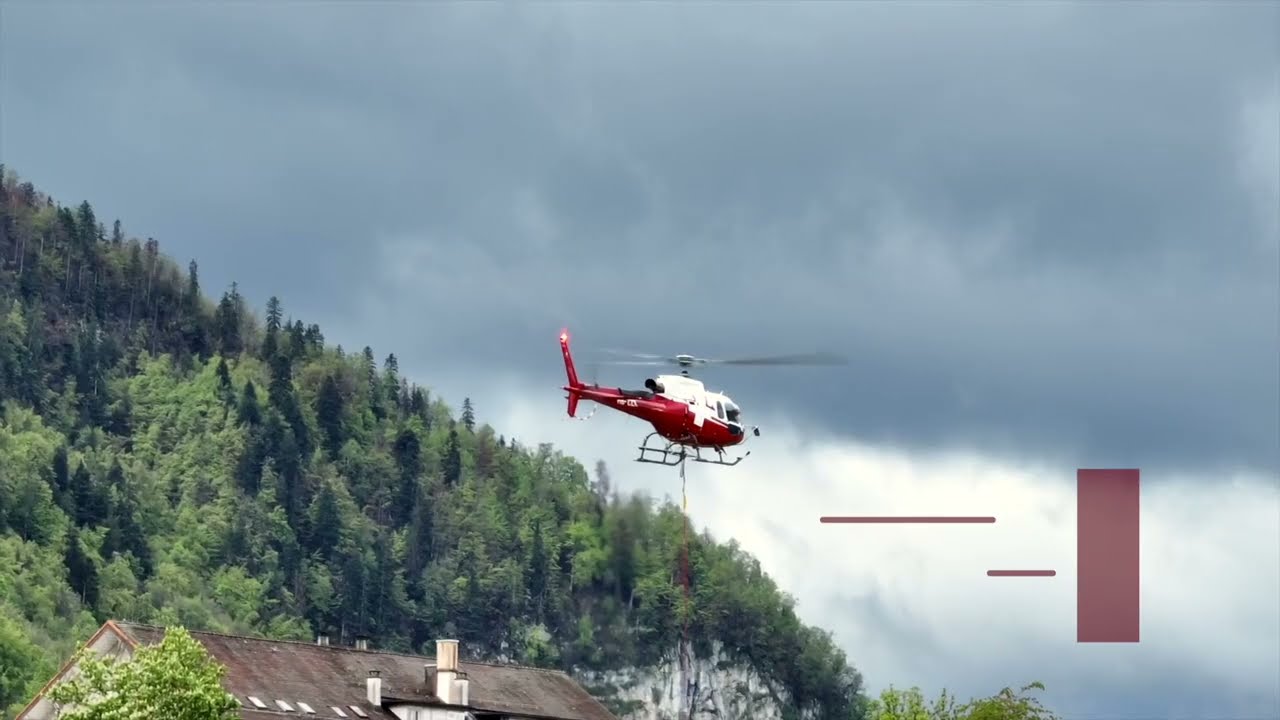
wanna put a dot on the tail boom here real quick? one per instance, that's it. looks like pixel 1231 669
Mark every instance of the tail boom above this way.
pixel 575 386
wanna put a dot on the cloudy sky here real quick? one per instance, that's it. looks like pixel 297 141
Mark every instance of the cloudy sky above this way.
pixel 1046 235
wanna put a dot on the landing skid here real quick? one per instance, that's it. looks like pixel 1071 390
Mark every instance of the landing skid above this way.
pixel 674 453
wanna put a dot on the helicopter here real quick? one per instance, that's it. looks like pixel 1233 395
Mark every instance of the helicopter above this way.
pixel 686 417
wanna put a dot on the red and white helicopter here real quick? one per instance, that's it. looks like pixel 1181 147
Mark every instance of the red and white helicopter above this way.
pixel 683 412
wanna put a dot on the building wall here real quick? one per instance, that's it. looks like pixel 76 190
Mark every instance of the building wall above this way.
pixel 107 643
pixel 420 712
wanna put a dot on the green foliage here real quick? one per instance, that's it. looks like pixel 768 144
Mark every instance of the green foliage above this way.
pixel 17 671
pixel 174 679
pixel 910 704
pixel 170 460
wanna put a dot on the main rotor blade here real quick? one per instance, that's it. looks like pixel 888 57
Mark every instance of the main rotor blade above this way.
pixel 818 358
pixel 802 359
pixel 646 356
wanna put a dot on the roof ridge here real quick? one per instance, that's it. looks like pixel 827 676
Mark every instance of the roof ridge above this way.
pixel 123 624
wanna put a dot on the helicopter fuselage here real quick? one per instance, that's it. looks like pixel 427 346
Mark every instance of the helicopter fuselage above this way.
pixel 679 408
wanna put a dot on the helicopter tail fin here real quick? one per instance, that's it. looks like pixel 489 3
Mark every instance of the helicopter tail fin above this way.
pixel 571 372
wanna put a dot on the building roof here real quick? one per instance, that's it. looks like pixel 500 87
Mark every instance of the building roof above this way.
pixel 329 676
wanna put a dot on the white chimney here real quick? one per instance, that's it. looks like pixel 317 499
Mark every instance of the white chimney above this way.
pixel 362 643
pixel 429 673
pixel 374 688
pixel 446 670
pixel 322 639
pixel 463 688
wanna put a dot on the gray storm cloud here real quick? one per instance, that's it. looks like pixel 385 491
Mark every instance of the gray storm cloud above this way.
pixel 1045 232
pixel 1041 231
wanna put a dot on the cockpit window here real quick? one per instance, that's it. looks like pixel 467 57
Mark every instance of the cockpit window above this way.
pixel 731 411
pixel 719 410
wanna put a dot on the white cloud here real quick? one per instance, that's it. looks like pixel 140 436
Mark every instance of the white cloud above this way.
pixel 912 604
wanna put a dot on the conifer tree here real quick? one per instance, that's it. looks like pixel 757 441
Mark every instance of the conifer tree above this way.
pixel 329 415
pixel 468 415
pixel 408 452
pixel 452 459
pixel 249 412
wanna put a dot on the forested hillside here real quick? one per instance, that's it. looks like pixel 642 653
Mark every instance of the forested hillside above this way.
pixel 171 459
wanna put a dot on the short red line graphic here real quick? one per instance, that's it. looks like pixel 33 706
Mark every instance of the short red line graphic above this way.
pixel 907 519
pixel 1021 573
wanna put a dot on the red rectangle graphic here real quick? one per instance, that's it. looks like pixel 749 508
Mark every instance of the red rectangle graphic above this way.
pixel 1107 559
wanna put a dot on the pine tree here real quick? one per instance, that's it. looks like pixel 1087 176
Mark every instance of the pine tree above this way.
pixel 90 500
pixel 123 533
pixel 468 415
pixel 249 413
pixel 329 415
pixel 420 407
pixel 226 323
pixel 290 491
pixel 325 522
pixel 375 390
pixel 297 349
pixel 62 489
pixel 452 459
pixel 408 453
pixel 82 575
pixel 271 343
pixel 225 389
pixel 538 569
pixel 192 320
pixel 274 314
pixel 86 225
pixel 250 465
pixel 391 381
pixel 418 547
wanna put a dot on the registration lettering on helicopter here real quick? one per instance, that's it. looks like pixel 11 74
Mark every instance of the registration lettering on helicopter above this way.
pixel 628 402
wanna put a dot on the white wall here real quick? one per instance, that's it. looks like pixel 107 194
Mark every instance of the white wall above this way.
pixel 108 643
pixel 421 712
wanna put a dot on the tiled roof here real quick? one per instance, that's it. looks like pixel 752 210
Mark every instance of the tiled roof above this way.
pixel 328 676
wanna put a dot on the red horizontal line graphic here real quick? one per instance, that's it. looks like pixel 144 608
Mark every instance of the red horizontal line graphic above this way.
pixel 1021 573
pixel 906 519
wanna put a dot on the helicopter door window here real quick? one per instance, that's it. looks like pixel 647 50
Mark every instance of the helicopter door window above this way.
pixel 719 410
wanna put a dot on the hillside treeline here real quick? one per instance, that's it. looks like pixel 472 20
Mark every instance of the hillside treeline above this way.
pixel 169 458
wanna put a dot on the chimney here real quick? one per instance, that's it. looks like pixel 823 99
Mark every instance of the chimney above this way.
pixel 446 670
pixel 462 689
pixel 322 639
pixel 374 687
pixel 429 670
pixel 362 642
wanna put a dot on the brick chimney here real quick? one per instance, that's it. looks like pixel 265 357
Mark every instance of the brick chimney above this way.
pixel 447 671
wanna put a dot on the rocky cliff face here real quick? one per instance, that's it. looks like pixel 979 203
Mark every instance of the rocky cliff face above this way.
pixel 719 689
